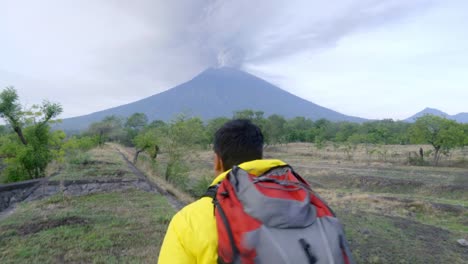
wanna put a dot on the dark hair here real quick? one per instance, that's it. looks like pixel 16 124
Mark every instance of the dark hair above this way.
pixel 238 141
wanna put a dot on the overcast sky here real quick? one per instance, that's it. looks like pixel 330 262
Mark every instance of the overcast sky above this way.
pixel 367 58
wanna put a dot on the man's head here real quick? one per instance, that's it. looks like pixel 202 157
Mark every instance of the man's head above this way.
pixel 237 141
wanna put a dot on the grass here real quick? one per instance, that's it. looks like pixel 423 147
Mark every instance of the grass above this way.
pixel 116 227
pixel 153 171
pixel 393 212
pixel 443 216
pixel 381 239
pixel 110 227
pixel 102 162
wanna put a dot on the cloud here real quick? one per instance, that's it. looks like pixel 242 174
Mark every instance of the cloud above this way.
pixel 202 34
pixel 140 47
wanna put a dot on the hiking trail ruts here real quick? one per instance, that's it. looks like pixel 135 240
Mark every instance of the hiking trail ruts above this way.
pixel 173 200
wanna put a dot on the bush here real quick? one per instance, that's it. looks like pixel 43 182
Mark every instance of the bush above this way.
pixel 176 173
pixel 79 158
pixel 14 172
pixel 200 186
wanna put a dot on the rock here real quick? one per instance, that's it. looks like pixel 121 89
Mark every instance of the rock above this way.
pixel 365 231
pixel 38 190
pixel 73 190
pixel 462 242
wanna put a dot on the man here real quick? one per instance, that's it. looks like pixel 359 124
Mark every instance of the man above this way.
pixel 192 235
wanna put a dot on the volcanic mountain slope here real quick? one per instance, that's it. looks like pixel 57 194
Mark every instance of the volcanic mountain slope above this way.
pixel 214 93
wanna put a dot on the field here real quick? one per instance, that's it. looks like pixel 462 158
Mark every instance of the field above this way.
pixel 111 227
pixel 392 212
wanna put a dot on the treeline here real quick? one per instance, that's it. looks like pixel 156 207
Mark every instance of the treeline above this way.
pixel 443 134
pixel 278 130
pixel 28 145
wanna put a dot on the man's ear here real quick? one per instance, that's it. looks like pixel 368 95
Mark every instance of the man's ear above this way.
pixel 218 164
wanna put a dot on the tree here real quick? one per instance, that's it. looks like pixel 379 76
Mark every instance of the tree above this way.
pixel 443 134
pixel 275 129
pixel 109 129
pixel 345 130
pixel 10 111
pixel 148 140
pixel 465 129
pixel 244 114
pixel 36 145
pixel 324 130
pixel 134 124
pixel 257 117
pixel 212 126
pixel 137 121
pixel 3 130
pixel 299 129
pixel 183 135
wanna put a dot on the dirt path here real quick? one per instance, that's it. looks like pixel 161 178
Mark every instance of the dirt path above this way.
pixel 176 203
pixel 7 212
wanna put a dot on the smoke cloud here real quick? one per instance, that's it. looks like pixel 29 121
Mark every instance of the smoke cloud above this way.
pixel 137 48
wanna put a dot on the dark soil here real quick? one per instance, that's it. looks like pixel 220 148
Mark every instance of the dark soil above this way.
pixel 98 162
pixel 35 227
pixel 448 208
pixel 384 239
pixel 114 173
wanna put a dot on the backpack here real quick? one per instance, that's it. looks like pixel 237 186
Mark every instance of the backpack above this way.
pixel 275 218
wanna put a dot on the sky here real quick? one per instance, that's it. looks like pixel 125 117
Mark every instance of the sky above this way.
pixel 368 58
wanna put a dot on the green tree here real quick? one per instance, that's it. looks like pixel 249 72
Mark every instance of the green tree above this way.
pixel 212 126
pixel 323 130
pixel 300 129
pixel 345 130
pixel 157 124
pixel 465 129
pixel 443 134
pixel 109 129
pixel 275 129
pixel 3 130
pixel 244 114
pixel 257 117
pixel 137 121
pixel 134 124
pixel 183 135
pixel 11 112
pixel 35 145
pixel 148 141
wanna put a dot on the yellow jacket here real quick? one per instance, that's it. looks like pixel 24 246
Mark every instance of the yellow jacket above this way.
pixel 192 236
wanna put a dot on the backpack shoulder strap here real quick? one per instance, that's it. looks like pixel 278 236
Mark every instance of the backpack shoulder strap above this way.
pixel 211 191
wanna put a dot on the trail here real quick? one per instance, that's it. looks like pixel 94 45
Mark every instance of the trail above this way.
pixel 173 201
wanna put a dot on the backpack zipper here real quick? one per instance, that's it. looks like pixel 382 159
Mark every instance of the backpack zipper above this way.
pixel 325 241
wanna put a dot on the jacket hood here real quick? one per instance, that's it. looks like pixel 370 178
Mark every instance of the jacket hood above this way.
pixel 255 167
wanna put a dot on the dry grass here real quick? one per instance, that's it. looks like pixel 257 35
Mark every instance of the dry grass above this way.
pixel 364 153
pixel 102 162
pixel 386 205
pixel 148 169
pixel 391 211
pixel 118 227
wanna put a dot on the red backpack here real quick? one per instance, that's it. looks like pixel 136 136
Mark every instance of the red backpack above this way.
pixel 275 218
